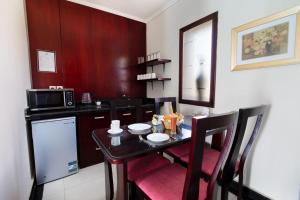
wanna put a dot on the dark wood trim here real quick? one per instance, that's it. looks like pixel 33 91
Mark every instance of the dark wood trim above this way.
pixel 36 191
pixel 122 190
pixel 248 194
pixel 109 186
pixel 214 18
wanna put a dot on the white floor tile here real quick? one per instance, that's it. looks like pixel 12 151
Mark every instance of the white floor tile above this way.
pixel 87 184
pixel 54 189
pixel 59 196
pixel 91 190
pixel 85 175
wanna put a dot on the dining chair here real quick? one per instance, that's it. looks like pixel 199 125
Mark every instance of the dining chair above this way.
pixel 177 182
pixel 160 101
pixel 233 166
pixel 181 151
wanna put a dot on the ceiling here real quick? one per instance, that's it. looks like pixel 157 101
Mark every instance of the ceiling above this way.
pixel 141 10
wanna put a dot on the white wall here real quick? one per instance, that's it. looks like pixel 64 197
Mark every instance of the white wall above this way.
pixel 15 178
pixel 274 169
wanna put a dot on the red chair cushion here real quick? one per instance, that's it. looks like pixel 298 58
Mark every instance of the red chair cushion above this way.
pixel 143 165
pixel 210 159
pixel 167 183
pixel 180 150
pixel 237 166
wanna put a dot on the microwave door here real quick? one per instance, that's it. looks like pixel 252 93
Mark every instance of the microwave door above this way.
pixel 45 100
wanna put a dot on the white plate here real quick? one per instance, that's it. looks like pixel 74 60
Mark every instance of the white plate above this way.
pixel 139 127
pixel 117 131
pixel 158 137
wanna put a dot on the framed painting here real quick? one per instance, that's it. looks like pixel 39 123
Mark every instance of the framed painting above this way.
pixel 197 61
pixel 266 42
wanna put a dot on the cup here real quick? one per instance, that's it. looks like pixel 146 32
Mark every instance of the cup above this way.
pixel 115 141
pixel 115 124
pixel 173 124
pixel 98 103
pixel 158 55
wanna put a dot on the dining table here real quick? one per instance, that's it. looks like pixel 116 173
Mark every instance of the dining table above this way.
pixel 119 149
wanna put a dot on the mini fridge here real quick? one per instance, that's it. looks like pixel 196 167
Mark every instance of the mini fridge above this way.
pixel 55 148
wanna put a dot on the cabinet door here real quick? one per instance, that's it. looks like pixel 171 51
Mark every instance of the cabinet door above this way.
pixel 127 116
pixel 147 114
pixel 89 153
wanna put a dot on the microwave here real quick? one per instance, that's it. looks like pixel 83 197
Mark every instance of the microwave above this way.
pixel 50 99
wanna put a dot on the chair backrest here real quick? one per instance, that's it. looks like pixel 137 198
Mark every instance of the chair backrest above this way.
pixel 160 101
pixel 202 127
pixel 244 115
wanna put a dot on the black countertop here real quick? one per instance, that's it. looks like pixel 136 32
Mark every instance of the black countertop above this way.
pixel 79 109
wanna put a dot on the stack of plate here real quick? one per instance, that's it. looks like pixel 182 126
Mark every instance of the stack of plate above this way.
pixel 139 128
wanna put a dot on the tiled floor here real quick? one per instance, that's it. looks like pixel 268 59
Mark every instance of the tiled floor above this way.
pixel 88 184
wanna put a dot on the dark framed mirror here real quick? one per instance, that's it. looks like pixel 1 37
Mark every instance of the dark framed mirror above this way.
pixel 197 61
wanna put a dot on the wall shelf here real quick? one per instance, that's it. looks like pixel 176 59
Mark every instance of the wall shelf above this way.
pixel 157 79
pixel 155 62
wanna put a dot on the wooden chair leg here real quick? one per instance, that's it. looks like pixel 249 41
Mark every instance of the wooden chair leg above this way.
pixel 240 186
pixel 132 190
pixel 224 192
pixel 109 187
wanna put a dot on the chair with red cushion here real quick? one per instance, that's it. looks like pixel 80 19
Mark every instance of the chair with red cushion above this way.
pixel 234 166
pixel 138 167
pixel 160 101
pixel 176 182
pixel 179 150
pixel 142 165
pixel 182 151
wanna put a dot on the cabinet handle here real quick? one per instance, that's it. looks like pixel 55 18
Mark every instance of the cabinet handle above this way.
pixel 126 114
pixel 98 148
pixel 102 117
pixel 149 111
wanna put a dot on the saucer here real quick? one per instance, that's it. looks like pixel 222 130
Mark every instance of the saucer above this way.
pixel 115 131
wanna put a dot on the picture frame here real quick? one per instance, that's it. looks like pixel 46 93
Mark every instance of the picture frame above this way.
pixel 197 61
pixel 267 42
pixel 46 61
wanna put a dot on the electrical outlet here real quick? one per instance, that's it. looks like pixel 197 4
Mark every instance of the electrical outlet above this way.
pixel 52 87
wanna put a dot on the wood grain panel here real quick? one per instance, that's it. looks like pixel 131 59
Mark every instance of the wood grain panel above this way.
pixel 116 53
pixel 43 19
pixel 97 51
pixel 77 48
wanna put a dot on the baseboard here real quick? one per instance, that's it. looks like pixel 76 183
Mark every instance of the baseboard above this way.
pixel 36 192
pixel 248 194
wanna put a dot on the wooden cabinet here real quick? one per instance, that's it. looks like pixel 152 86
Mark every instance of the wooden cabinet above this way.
pixel 91 46
pixel 147 113
pixel 89 153
pixel 126 116
pixel 43 21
